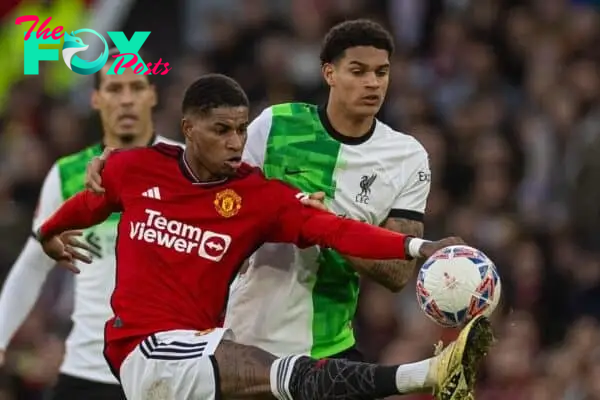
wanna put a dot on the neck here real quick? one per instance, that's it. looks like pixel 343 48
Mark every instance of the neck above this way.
pixel 347 124
pixel 116 142
pixel 198 170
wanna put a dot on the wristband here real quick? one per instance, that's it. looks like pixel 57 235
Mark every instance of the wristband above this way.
pixel 37 234
pixel 414 247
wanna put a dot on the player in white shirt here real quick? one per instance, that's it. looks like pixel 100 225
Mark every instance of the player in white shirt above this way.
pixel 293 301
pixel 125 104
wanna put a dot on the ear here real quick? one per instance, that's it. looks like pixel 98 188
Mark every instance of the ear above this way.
pixel 95 100
pixel 186 128
pixel 328 71
pixel 154 96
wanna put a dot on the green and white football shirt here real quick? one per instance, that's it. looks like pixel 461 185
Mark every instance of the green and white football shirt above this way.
pixel 293 301
pixel 93 286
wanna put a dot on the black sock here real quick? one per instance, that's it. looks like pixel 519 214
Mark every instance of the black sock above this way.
pixel 334 379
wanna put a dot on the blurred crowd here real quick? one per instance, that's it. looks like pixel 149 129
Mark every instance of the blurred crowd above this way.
pixel 505 96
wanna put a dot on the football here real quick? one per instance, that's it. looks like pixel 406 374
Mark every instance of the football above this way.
pixel 456 284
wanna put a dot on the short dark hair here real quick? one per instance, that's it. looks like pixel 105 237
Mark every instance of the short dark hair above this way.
pixel 113 51
pixel 212 91
pixel 354 33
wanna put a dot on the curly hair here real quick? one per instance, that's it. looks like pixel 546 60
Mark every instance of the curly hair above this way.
pixel 354 33
pixel 212 91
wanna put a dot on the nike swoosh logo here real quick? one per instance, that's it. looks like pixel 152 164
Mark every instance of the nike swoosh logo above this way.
pixel 294 171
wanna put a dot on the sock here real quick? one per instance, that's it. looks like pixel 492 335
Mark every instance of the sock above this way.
pixel 304 378
pixel 281 373
pixel 411 377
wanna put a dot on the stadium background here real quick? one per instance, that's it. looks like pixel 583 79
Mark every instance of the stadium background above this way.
pixel 504 94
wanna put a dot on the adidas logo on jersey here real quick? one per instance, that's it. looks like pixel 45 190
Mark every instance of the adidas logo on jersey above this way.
pixel 181 237
pixel 152 193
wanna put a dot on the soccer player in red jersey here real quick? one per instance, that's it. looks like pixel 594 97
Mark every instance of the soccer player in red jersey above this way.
pixel 189 220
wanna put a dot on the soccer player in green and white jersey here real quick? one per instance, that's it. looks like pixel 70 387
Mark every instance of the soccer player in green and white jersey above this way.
pixel 293 301
pixel 125 104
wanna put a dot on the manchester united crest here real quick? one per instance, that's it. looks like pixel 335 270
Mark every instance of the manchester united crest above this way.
pixel 228 203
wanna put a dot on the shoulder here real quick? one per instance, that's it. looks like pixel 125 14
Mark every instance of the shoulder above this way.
pixel 68 172
pixel 162 139
pixel 247 171
pixel 295 112
pixel 254 176
pixel 142 161
pixel 405 141
pixel 288 110
pixel 402 147
pixel 274 184
pixel 294 108
pixel 137 156
pixel 283 119
pixel 164 149
pixel 274 190
pixel 82 157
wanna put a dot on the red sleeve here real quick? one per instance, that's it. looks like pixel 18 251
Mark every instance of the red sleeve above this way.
pixel 87 209
pixel 305 226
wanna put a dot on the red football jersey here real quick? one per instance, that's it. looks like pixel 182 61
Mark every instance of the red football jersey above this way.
pixel 181 242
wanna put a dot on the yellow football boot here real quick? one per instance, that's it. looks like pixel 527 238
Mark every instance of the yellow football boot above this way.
pixel 455 367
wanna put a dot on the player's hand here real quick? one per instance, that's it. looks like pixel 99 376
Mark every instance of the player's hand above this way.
pixel 70 238
pixel 316 200
pixel 428 248
pixel 63 249
pixel 93 180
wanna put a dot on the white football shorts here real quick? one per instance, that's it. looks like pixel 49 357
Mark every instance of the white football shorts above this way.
pixel 174 365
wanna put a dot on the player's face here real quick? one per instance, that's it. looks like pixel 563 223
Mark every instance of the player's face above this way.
pixel 217 139
pixel 125 103
pixel 359 80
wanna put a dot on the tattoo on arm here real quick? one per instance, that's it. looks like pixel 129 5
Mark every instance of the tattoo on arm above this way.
pixel 244 371
pixel 393 274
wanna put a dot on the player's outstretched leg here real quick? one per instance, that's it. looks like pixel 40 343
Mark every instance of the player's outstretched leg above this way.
pixel 250 371
pixel 451 374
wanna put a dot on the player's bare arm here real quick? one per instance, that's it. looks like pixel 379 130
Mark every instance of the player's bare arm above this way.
pixel 392 274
